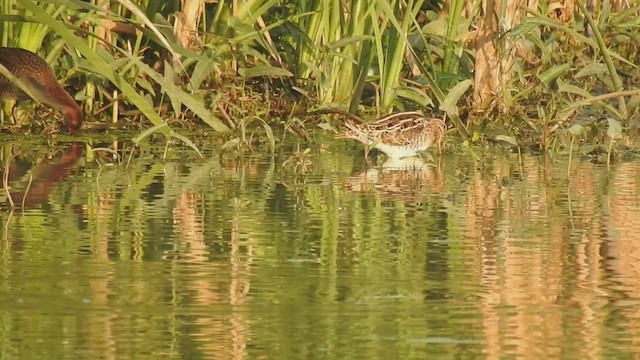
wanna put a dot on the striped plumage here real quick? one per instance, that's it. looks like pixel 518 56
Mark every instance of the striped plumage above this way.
pixel 398 135
pixel 35 74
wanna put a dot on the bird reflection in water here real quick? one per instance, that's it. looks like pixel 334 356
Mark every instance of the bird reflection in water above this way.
pixel 27 185
pixel 399 179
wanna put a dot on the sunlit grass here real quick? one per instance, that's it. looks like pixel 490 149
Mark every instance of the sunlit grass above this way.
pixel 369 57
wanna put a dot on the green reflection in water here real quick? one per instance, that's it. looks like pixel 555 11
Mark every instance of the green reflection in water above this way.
pixel 237 258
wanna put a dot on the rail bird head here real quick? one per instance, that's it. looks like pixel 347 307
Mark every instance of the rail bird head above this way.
pixel 73 118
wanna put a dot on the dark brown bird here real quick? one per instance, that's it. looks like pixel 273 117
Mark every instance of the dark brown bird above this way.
pixel 36 75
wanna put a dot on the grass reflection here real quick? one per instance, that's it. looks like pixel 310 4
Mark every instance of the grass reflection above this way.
pixel 244 257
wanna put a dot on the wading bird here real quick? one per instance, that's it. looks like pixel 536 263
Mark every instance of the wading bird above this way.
pixel 38 77
pixel 398 135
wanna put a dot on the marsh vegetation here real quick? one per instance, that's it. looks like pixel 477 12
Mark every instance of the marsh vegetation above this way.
pixel 547 75
pixel 282 243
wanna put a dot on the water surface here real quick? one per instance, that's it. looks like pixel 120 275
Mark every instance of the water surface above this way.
pixel 317 256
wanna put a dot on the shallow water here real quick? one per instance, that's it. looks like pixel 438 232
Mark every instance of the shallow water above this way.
pixel 317 256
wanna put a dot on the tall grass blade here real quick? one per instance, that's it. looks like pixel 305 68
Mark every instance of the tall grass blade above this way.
pixel 450 103
pixel 103 67
pixel 173 91
pixel 615 78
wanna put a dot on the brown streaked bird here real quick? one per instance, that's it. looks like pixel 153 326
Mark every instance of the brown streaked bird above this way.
pixel 398 135
pixel 38 77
